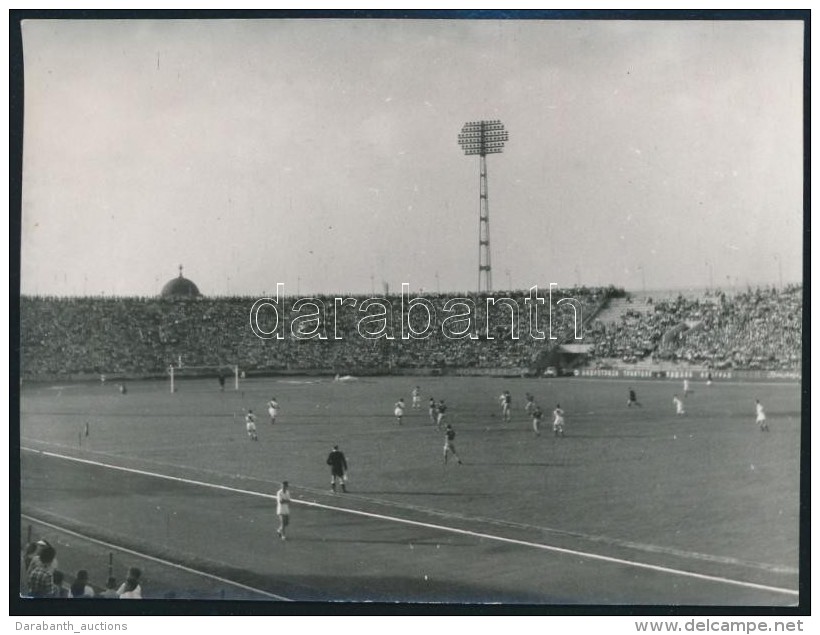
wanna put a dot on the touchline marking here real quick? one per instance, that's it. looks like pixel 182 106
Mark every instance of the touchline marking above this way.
pixel 455 530
pixel 689 555
pixel 154 559
pixel 118 455
pixel 649 548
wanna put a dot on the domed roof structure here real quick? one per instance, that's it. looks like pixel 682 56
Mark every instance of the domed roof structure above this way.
pixel 180 288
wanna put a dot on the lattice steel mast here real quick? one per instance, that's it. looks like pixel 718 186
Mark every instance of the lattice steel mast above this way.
pixel 483 138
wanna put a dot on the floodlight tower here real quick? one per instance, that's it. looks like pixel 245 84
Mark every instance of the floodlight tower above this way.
pixel 483 138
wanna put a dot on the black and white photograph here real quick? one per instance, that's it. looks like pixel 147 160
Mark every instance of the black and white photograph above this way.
pixel 432 309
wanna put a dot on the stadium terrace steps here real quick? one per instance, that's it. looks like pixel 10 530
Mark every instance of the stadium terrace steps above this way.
pixel 618 307
pixel 615 363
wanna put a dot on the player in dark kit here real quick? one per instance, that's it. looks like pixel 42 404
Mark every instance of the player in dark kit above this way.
pixel 441 410
pixel 530 405
pixel 449 443
pixel 633 400
pixel 338 468
pixel 536 415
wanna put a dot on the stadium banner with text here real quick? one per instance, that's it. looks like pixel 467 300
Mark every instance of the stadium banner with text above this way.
pixel 697 375
pixel 600 373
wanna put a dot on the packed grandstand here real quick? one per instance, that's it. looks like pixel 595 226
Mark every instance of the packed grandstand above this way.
pixel 753 329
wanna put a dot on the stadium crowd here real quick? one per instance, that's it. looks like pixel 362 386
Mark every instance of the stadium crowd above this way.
pixel 64 336
pixel 67 336
pixel 755 329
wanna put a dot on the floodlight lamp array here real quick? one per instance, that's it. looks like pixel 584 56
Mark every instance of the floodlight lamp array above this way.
pixel 483 137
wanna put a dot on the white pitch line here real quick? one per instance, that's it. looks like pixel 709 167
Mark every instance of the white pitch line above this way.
pixel 455 530
pixel 118 455
pixel 689 555
pixel 574 552
pixel 154 559
pixel 669 551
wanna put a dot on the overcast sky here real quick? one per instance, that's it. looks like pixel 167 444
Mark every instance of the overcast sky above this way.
pixel 323 154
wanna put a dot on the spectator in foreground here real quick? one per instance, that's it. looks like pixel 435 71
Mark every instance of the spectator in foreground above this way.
pixel 110 592
pixel 131 589
pixel 40 582
pixel 35 556
pixel 60 589
pixel 28 555
pixel 80 588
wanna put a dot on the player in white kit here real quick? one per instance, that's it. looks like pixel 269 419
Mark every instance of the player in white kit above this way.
pixel 761 416
pixel 398 410
pixel 283 509
pixel 506 404
pixel 558 421
pixel 250 425
pixel 273 410
pixel 678 405
pixel 416 398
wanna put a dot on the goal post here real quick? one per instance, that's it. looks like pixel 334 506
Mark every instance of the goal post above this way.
pixel 178 375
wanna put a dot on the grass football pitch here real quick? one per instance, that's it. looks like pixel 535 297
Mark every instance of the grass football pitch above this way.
pixel 634 505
